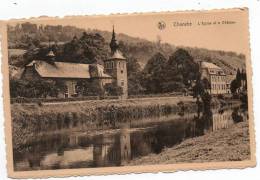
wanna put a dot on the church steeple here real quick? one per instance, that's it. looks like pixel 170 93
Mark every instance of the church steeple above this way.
pixel 116 66
pixel 113 43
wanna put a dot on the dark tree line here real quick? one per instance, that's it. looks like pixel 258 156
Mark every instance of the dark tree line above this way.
pixel 175 74
pixel 239 84
pixel 35 89
pixel 160 74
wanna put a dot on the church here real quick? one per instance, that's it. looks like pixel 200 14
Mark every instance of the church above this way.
pixel 114 70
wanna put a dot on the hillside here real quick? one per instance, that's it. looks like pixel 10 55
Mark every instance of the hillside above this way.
pixel 20 36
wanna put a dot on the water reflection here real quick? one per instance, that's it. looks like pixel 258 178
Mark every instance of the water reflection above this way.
pixel 117 148
pixel 112 151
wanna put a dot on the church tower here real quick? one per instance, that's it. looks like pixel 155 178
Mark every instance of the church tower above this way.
pixel 115 65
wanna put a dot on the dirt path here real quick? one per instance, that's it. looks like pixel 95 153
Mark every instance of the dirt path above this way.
pixel 147 99
pixel 230 144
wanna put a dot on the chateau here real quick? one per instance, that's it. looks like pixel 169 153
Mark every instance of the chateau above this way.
pixel 114 70
pixel 216 77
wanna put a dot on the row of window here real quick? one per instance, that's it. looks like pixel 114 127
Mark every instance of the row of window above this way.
pixel 112 65
pixel 218 86
pixel 218 78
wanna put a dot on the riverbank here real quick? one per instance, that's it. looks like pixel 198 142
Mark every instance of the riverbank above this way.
pixel 231 144
pixel 32 120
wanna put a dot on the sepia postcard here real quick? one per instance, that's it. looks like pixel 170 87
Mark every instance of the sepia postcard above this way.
pixel 127 93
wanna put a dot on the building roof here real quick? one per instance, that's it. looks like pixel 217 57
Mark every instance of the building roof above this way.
pixel 209 65
pixel 67 70
pixel 212 68
pixel 117 55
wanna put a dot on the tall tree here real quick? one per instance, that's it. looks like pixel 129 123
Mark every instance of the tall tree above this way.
pixel 154 73
pixel 134 77
pixel 181 63
pixel 238 77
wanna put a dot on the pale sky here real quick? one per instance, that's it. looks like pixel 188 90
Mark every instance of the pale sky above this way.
pixel 227 37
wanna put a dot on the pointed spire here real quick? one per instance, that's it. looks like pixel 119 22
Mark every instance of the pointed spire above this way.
pixel 113 33
pixel 113 43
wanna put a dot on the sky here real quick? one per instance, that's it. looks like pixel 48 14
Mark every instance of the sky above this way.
pixel 220 36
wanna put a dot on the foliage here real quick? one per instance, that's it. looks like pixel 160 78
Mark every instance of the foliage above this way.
pixel 171 69
pixel 181 68
pixel 234 86
pixel 201 93
pixel 89 88
pixel 89 48
pixel 154 73
pixel 113 89
pixel 237 82
pixel 35 89
pixel 134 75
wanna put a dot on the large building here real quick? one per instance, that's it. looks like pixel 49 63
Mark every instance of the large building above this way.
pixel 115 70
pixel 215 76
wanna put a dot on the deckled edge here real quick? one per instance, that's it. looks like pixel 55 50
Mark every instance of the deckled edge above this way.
pixel 203 10
pixel 166 168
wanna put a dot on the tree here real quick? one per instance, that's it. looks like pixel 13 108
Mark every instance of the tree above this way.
pixel 237 82
pixel 89 88
pixel 134 77
pixel 113 89
pixel 200 92
pixel 181 62
pixel 179 58
pixel 35 88
pixel 153 73
pixel 238 77
pixel 89 48
pixel 234 86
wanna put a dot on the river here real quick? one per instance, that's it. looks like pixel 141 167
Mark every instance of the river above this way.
pixel 118 147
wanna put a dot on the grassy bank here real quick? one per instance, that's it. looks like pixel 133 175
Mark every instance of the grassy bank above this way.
pixel 230 144
pixel 30 120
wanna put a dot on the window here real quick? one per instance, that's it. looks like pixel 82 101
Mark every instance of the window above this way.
pixel 122 83
pixel 66 93
pixel 112 64
pixel 122 71
pixel 74 87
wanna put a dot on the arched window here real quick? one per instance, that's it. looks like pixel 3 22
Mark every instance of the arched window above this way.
pixel 112 64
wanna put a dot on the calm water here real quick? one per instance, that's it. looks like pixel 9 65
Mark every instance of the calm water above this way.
pixel 118 147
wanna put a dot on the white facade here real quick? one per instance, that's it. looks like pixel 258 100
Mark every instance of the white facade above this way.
pixel 216 77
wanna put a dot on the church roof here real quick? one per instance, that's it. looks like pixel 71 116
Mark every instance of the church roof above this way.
pixel 117 55
pixel 67 70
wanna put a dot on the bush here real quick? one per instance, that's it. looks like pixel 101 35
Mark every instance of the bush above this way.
pixel 220 96
pixel 113 89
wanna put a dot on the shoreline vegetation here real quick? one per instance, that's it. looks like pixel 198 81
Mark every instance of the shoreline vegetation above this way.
pixel 32 120
pixel 231 144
